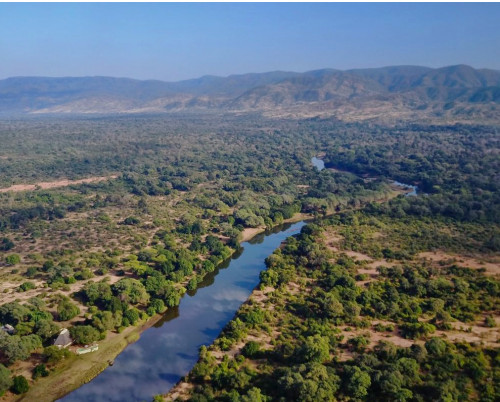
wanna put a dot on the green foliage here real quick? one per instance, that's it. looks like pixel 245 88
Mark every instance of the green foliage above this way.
pixel 13 259
pixel 5 379
pixel 54 354
pixel 6 244
pixel 67 310
pixel 25 286
pixel 315 349
pixel 131 315
pixel 131 291
pixel 84 334
pixel 20 385
pixel 16 347
pixel 40 371
pixel 251 349
pixel 131 220
pixel 357 382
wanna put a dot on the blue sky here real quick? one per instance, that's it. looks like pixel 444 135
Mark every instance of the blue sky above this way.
pixel 171 41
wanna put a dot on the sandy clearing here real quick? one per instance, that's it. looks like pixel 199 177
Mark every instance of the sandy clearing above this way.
pixel 45 185
pixel 248 233
pixel 357 256
pixel 368 271
pixel 492 268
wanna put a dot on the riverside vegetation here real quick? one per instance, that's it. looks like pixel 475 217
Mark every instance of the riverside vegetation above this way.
pixel 102 257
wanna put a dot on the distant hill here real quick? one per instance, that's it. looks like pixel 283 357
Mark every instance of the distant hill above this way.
pixel 405 91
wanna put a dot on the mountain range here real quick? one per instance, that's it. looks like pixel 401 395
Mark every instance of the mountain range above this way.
pixel 455 92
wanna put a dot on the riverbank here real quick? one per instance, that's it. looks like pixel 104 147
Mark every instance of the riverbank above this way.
pixel 82 369
pixel 249 233
pixel 79 370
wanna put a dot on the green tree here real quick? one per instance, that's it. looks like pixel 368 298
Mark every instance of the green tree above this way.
pixel 20 385
pixel 131 291
pixel 45 328
pixel 67 310
pixel 40 371
pixel 54 355
pixel 5 379
pixel 315 349
pixel 251 349
pixel 357 382
pixel 84 334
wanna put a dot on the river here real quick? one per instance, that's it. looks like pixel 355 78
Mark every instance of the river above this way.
pixel 166 352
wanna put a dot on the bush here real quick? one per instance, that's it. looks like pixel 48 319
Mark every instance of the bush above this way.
pixel 6 244
pixel 132 315
pixel 13 259
pixel 40 371
pixel 131 220
pixel 20 385
pixel 27 286
pixel 54 355
pixel 251 349
pixel 67 310
pixel 489 322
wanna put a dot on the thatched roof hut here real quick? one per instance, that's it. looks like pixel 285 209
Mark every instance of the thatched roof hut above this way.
pixel 63 340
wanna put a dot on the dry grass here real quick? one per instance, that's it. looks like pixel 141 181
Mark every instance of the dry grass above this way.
pixel 46 185
pixel 492 267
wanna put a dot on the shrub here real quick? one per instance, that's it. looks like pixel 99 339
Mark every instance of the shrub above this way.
pixel 40 371
pixel 13 259
pixel 27 286
pixel 131 220
pixel 54 355
pixel 251 349
pixel 20 385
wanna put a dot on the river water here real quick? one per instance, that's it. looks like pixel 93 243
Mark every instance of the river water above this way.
pixel 318 163
pixel 168 351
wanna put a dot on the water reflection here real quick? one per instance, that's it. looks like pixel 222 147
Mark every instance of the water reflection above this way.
pixel 169 349
pixel 318 163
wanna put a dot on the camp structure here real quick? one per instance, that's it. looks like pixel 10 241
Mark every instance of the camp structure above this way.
pixel 63 340
pixel 8 329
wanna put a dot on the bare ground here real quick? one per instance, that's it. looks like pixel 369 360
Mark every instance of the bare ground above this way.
pixel 45 185
pixel 492 266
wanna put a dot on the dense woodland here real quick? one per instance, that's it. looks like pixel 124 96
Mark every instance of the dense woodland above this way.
pixel 325 330
pixel 99 258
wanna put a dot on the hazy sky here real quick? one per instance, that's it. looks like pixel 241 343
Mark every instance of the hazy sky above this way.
pixel 172 41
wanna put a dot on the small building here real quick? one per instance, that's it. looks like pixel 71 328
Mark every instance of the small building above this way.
pixel 63 340
pixel 8 328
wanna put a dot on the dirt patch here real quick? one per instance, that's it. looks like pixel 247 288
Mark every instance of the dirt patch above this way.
pixel 45 185
pixel 358 256
pixel 380 263
pixel 492 267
